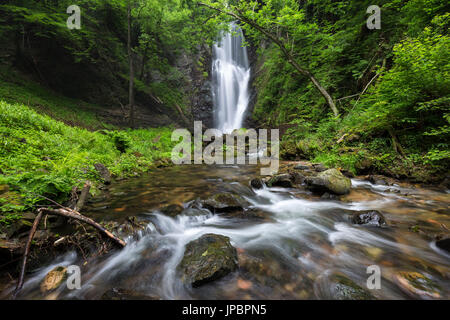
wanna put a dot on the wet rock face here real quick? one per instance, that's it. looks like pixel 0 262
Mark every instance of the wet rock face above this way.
pixel 345 289
pixel 371 217
pixel 206 259
pixel 225 202
pixel 54 279
pixel 332 181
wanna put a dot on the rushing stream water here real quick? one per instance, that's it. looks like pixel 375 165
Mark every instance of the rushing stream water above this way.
pixel 290 255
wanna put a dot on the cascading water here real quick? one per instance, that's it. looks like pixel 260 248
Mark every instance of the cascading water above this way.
pixel 291 252
pixel 231 77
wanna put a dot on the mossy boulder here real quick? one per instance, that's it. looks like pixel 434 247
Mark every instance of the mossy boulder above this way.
pixel 332 181
pixel 345 289
pixel 370 217
pixel 206 259
pixel 54 279
pixel 225 202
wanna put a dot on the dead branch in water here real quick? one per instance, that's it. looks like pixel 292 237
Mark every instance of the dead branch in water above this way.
pixel 68 213
pixel 83 196
pixel 26 253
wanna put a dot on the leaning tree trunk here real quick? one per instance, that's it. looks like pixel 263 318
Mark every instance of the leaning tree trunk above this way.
pixel 131 76
pixel 290 58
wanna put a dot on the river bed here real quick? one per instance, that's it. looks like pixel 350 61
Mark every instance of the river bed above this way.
pixel 291 255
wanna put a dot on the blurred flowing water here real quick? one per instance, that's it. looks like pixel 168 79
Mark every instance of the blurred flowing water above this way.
pixel 290 255
pixel 231 77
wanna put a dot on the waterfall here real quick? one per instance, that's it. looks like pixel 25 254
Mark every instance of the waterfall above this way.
pixel 231 77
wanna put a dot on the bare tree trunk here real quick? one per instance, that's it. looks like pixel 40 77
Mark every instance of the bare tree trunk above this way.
pixel 286 53
pixel 130 60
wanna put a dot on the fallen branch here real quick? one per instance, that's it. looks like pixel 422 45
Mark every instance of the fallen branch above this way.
pixel 37 220
pixel 83 196
pixel 68 213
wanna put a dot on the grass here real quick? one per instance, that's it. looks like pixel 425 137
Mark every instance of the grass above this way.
pixel 17 88
pixel 40 155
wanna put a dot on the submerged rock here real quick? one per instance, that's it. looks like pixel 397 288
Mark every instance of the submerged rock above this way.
pixel 345 289
pixel 370 217
pixel 206 259
pixel 250 214
pixel 54 279
pixel 123 294
pixel 332 181
pixel 172 210
pixel 417 285
pixel 225 202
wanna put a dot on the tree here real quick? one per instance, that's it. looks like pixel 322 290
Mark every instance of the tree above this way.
pixel 244 12
pixel 130 62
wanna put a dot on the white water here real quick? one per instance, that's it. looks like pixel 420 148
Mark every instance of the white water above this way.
pixel 231 77
pixel 299 238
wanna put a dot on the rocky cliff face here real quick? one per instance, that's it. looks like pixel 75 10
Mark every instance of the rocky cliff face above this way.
pixel 196 88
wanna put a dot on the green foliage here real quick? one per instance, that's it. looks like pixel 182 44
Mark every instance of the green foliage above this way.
pixel 41 156
pixel 402 71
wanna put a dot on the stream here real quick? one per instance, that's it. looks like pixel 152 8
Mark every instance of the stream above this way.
pixel 290 255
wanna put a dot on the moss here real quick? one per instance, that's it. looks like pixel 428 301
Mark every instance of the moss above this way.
pixel 206 259
pixel 346 289
pixel 42 156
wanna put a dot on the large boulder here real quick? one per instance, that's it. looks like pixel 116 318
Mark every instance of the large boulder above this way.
pixel 206 259
pixel 225 202
pixel 332 181
pixel 370 217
